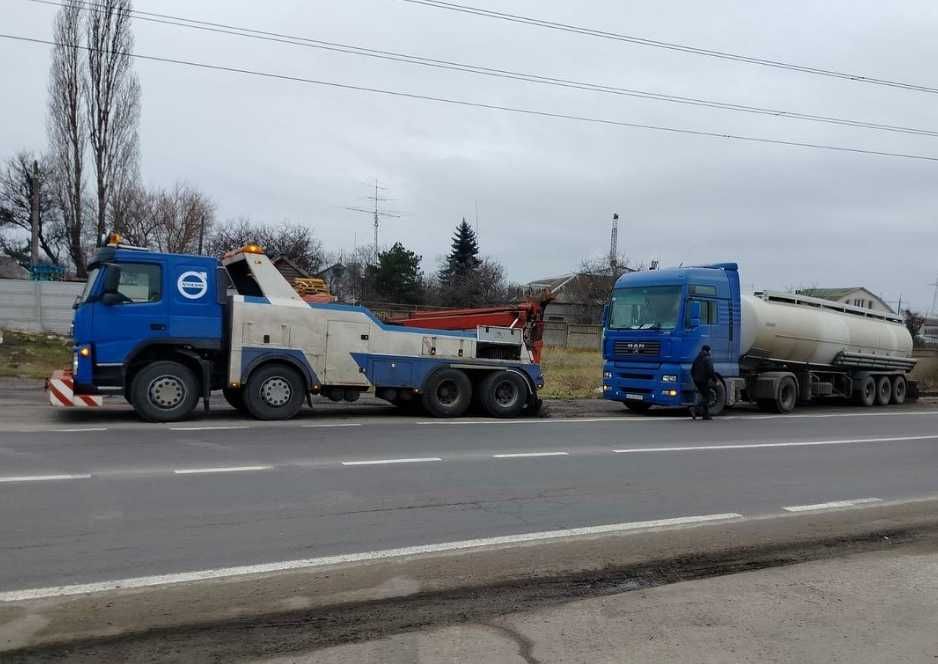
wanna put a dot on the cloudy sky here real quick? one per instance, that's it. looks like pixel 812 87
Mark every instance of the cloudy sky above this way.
pixel 545 189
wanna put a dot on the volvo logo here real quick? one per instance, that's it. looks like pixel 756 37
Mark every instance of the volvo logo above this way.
pixel 192 285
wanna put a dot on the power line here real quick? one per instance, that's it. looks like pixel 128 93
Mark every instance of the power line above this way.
pixel 350 49
pixel 672 46
pixel 494 107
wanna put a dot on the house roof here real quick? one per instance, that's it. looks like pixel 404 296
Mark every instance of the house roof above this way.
pixel 830 293
pixel 282 258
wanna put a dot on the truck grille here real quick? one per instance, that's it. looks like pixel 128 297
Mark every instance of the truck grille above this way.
pixel 641 348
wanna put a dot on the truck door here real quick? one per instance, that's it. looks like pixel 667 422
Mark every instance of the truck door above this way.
pixel 195 303
pixel 342 339
pixel 132 312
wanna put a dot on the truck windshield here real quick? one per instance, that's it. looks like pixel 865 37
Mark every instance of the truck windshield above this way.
pixel 89 284
pixel 648 308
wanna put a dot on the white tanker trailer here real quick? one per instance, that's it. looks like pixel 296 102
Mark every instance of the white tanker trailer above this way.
pixel 773 349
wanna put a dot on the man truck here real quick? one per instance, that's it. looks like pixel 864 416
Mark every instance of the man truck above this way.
pixel 165 330
pixel 775 350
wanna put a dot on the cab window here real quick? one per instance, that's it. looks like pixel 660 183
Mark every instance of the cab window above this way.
pixel 140 283
pixel 708 312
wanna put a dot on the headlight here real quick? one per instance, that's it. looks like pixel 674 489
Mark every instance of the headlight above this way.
pixel 669 378
pixel 669 393
pixel 607 375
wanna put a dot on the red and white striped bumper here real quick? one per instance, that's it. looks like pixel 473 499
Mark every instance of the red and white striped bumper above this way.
pixel 61 387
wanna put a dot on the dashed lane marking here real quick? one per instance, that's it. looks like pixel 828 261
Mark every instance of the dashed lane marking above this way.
pixel 832 505
pixel 747 446
pixel 379 462
pixel 43 478
pixel 521 455
pixel 223 469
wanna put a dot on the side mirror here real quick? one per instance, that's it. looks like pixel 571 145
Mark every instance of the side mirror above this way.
pixel 605 320
pixel 694 315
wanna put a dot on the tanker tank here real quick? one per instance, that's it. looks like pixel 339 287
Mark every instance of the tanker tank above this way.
pixel 794 328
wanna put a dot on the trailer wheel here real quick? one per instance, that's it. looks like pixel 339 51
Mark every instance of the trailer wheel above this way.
pixel 164 392
pixel 900 388
pixel 235 398
pixel 503 394
pixel 447 393
pixel 786 395
pixel 865 393
pixel 274 392
pixel 716 396
pixel 883 391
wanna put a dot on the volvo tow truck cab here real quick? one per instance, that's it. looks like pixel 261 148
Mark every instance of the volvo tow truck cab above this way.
pixel 165 330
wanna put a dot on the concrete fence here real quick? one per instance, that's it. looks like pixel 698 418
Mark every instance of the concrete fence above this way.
pixel 37 306
pixel 573 335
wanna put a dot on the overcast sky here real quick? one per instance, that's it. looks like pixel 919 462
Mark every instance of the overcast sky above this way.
pixel 546 189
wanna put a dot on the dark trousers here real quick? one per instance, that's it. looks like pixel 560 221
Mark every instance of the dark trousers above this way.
pixel 702 401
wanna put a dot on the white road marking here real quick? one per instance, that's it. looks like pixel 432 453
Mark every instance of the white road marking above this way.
pixel 832 505
pixel 520 455
pixel 747 446
pixel 327 426
pixel 224 469
pixel 543 420
pixel 216 428
pixel 44 478
pixel 791 416
pixel 81 430
pixel 267 568
pixel 377 462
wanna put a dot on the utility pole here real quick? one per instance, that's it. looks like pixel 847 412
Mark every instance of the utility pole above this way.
pixel 614 244
pixel 376 213
pixel 34 219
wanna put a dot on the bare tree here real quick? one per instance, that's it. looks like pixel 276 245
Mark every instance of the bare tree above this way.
pixel 112 100
pixel 178 216
pixel 16 191
pixel 66 127
pixel 296 242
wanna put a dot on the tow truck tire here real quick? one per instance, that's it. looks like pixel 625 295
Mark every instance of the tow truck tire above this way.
pixel 164 392
pixel 235 398
pixel 503 394
pixel 900 389
pixel 274 392
pixel 447 393
pixel 883 391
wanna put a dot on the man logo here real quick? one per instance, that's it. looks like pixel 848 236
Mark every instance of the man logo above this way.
pixel 192 285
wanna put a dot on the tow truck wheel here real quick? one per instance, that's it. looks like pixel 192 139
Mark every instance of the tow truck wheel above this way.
pixel 274 392
pixel 503 394
pixel 235 398
pixel 164 392
pixel 447 393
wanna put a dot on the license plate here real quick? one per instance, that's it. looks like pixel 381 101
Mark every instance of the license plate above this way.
pixel 635 397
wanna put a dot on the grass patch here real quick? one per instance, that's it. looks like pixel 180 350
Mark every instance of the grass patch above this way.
pixel 25 355
pixel 571 373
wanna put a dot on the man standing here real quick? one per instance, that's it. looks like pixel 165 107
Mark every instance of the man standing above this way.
pixel 703 375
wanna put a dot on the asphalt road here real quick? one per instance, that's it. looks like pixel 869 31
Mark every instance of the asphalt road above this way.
pixel 96 499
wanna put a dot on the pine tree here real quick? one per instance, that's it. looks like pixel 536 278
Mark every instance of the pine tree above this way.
pixel 397 276
pixel 463 259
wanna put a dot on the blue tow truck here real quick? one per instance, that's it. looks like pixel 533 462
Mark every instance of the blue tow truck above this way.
pixel 165 330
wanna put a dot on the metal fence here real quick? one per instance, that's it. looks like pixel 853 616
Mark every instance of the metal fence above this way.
pixel 37 306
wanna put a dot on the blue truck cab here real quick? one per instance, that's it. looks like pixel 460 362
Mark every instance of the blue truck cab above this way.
pixel 138 303
pixel 656 323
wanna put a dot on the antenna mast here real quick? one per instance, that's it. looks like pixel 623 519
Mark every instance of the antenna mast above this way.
pixel 614 243
pixel 376 213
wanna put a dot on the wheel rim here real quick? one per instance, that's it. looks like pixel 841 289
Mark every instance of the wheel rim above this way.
pixel 869 390
pixel 276 391
pixel 447 392
pixel 166 392
pixel 885 390
pixel 506 394
pixel 900 389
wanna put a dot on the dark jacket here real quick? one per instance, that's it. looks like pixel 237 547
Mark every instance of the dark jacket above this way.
pixel 702 369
